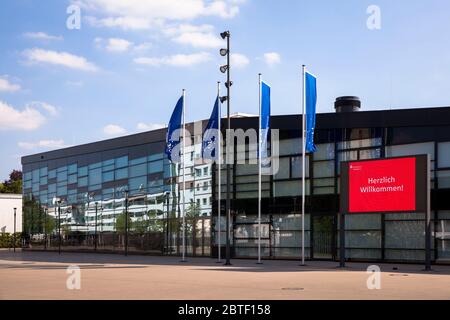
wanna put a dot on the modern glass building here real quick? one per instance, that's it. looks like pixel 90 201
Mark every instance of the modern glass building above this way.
pixel 100 184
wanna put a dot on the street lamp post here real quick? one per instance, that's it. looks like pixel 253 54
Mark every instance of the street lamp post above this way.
pixel 59 225
pixel 126 222
pixel 45 226
pixel 95 227
pixel 14 235
pixel 226 68
pixel 167 193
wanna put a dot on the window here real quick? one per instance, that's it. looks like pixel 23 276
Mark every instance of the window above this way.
pixel 82 182
pixel 121 173
pixel 52 174
pixel 36 175
pixel 138 184
pixel 204 201
pixel 108 176
pixel 198 172
pixel 198 202
pixel 296 165
pixel 95 176
pixel 61 176
pixel 138 170
pixel 82 172
pixel 122 162
pixel 156 166
pixel 205 185
pixel 205 171
pixel 71 169
pixel 72 178
pixel 43 181
pixel 95 165
pixel 411 149
pixel 444 155
pixel 324 151
pixel 323 169
pixel 138 161
pixel 43 171
pixel 283 170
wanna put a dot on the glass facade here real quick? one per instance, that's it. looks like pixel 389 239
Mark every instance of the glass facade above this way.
pixel 89 199
pixel 92 188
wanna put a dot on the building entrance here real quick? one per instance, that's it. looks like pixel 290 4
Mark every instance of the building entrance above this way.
pixel 323 236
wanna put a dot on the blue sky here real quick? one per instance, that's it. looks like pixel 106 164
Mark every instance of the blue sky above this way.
pixel 124 69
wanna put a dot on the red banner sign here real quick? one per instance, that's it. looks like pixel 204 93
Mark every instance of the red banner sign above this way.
pixel 382 185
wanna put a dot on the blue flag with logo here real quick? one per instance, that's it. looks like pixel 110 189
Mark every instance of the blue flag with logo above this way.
pixel 172 140
pixel 211 135
pixel 264 118
pixel 310 100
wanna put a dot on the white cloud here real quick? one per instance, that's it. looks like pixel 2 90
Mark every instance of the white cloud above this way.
pixel 61 58
pixel 118 45
pixel 199 40
pixel 52 110
pixel 149 126
pixel 41 36
pixel 239 60
pixel 7 86
pixel 27 119
pixel 43 144
pixel 114 130
pixel 162 9
pixel 177 60
pixel 272 58
pixel 126 23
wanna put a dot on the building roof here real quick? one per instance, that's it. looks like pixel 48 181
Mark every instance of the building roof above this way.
pixel 416 117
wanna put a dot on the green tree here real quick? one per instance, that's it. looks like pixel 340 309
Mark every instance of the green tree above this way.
pixel 13 184
pixel 120 223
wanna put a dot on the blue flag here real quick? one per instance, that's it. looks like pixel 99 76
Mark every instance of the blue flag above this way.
pixel 264 118
pixel 311 100
pixel 211 135
pixel 172 140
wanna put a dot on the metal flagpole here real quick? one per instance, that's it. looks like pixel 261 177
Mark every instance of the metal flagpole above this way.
pixel 303 165
pixel 184 180
pixel 259 172
pixel 219 164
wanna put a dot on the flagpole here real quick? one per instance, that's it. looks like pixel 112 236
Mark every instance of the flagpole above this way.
pixel 259 171
pixel 184 180
pixel 303 164
pixel 219 165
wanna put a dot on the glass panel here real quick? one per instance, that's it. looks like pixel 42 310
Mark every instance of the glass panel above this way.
pixel 324 151
pixel 72 168
pixel 108 162
pixel 443 179
pixel 138 170
pixel 82 182
pixel 156 156
pixel 289 188
pixel 61 191
pixel 444 155
pixel 52 174
pixel 411 149
pixel 296 166
pixel 43 171
pixel 156 166
pixel 290 146
pixel 95 176
pixel 323 169
pixel 359 143
pixel 138 184
pixel 138 161
pixel 284 169
pixel 121 173
pixel 83 171
pixel 95 165
pixel 43 181
pixel 36 175
pixel 72 178
pixel 61 176
pixel 370 154
pixel 108 167
pixel 108 176
pixel 122 162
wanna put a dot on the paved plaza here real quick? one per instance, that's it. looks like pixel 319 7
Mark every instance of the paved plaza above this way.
pixel 43 275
